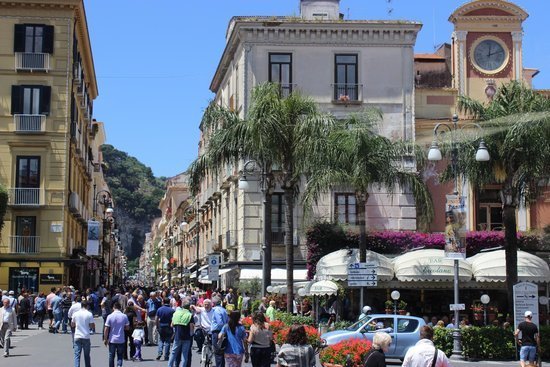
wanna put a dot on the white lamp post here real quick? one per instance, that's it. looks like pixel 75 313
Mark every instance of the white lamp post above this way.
pixel 485 299
pixel 395 296
pixel 434 154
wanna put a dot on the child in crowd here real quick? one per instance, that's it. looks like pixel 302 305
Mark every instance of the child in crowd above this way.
pixel 138 335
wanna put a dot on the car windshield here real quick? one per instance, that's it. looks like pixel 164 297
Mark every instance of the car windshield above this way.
pixel 359 324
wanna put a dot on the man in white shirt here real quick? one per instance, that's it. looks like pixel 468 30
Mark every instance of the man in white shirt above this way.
pixel 8 324
pixel 424 352
pixel 204 325
pixel 82 321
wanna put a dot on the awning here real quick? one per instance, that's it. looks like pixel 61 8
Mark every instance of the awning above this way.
pixel 203 267
pixel 323 288
pixel 429 265
pixel 282 288
pixel 491 267
pixel 334 266
pixel 204 280
pixel 190 267
pixel 278 275
pixel 224 271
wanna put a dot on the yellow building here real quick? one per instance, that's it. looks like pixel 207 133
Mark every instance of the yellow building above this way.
pixel 47 160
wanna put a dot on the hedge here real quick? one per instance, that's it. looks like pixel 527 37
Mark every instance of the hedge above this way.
pixel 290 319
pixel 480 342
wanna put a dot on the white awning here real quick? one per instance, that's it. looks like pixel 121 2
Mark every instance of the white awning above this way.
pixel 204 280
pixel 203 267
pixel 224 271
pixel 491 267
pixel 282 288
pixel 278 275
pixel 334 266
pixel 190 267
pixel 323 288
pixel 429 265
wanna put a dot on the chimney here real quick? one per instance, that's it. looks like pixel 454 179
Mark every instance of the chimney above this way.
pixel 320 9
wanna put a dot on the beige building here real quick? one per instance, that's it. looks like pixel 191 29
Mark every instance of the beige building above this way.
pixel 344 66
pixel 49 144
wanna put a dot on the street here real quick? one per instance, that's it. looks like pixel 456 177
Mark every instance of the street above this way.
pixel 39 348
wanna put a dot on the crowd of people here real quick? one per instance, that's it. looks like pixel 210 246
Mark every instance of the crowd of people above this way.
pixel 169 319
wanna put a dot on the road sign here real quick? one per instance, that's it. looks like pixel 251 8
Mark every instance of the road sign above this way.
pixel 362 283
pixel 370 264
pixel 457 306
pixel 362 277
pixel 526 298
pixel 214 273
pixel 214 260
pixel 367 271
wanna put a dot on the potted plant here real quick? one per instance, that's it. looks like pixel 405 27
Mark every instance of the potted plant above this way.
pixel 351 352
pixel 477 309
pixel 402 307
pixel 388 306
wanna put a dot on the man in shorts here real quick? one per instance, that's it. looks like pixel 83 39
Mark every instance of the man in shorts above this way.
pixel 529 341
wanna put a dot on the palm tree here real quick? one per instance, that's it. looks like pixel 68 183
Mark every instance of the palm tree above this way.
pixel 517 127
pixel 359 158
pixel 282 132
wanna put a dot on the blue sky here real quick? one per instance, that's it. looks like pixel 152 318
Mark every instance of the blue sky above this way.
pixel 154 62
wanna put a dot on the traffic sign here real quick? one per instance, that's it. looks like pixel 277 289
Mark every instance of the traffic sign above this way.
pixel 457 306
pixel 214 260
pixel 525 299
pixel 367 271
pixel 370 264
pixel 362 277
pixel 214 273
pixel 362 283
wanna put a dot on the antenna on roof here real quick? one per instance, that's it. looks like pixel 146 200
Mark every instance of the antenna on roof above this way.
pixel 434 29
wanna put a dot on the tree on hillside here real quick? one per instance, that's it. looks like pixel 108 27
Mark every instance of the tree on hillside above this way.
pixel 517 133
pixel 278 131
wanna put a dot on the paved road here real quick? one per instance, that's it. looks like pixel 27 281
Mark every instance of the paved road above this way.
pixel 38 348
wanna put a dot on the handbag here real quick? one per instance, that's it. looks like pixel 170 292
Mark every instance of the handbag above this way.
pixel 221 345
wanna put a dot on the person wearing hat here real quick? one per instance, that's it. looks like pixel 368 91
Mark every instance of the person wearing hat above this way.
pixel 530 339
pixel 367 310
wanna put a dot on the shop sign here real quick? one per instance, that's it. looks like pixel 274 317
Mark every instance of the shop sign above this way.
pixel 51 278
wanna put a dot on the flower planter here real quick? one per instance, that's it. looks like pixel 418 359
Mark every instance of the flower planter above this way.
pixel 478 316
pixel 402 312
pixel 326 364
pixel 389 311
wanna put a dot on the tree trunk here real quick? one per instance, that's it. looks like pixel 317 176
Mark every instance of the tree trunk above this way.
pixel 266 264
pixel 510 237
pixel 289 245
pixel 361 199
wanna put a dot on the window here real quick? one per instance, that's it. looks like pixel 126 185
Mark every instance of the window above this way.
pixel 489 210
pixel 280 71
pixel 30 100
pixel 25 226
pixel 345 208
pixel 277 218
pixel 28 172
pixel 345 78
pixel 33 38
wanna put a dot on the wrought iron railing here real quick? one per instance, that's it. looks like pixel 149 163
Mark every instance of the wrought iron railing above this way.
pixel 26 123
pixel 24 244
pixel 32 61
pixel 24 196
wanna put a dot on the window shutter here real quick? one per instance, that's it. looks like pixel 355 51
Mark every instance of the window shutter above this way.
pixel 47 41
pixel 45 97
pixel 16 99
pixel 19 38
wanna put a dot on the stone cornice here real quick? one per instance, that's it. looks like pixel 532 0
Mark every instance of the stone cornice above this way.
pixel 459 15
pixel 357 34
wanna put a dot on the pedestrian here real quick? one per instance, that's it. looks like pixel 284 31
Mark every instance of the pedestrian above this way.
pixel 8 325
pixel 40 309
pixel 82 321
pixel 77 306
pixel 57 310
pixel 49 308
pixel 380 345
pixel 367 310
pixel 163 323
pixel 260 339
pixel 245 304
pixel 153 304
pixel 296 351
pixel 182 322
pixel 219 319
pixel 205 315
pixel 424 352
pixel 24 311
pixel 237 345
pixel 270 312
pixel 530 339
pixel 132 320
pixel 138 336
pixel 263 305
pixel 106 306
pixel 66 304
pixel 114 334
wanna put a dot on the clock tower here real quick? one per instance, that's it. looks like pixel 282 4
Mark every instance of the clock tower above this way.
pixel 487 46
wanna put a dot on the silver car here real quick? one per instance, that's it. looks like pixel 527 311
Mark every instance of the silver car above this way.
pixel 404 331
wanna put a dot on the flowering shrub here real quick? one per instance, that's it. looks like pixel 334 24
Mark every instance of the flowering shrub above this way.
pixel 276 326
pixel 338 353
pixel 247 322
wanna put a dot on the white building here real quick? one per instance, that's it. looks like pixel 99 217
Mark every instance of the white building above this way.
pixel 343 65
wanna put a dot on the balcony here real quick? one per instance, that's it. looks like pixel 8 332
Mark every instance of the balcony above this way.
pixel 24 244
pixel 32 61
pixel 345 93
pixel 30 123
pixel 24 196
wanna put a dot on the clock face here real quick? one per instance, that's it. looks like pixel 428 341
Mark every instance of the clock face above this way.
pixel 489 55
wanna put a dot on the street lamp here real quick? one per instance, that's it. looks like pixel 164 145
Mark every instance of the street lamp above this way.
pixel 249 168
pixel 395 295
pixel 434 154
pixel 192 211
pixel 485 299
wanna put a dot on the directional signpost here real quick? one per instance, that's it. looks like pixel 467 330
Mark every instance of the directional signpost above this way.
pixel 526 298
pixel 363 274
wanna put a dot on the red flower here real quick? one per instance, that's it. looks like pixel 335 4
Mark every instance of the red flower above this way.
pixel 338 353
